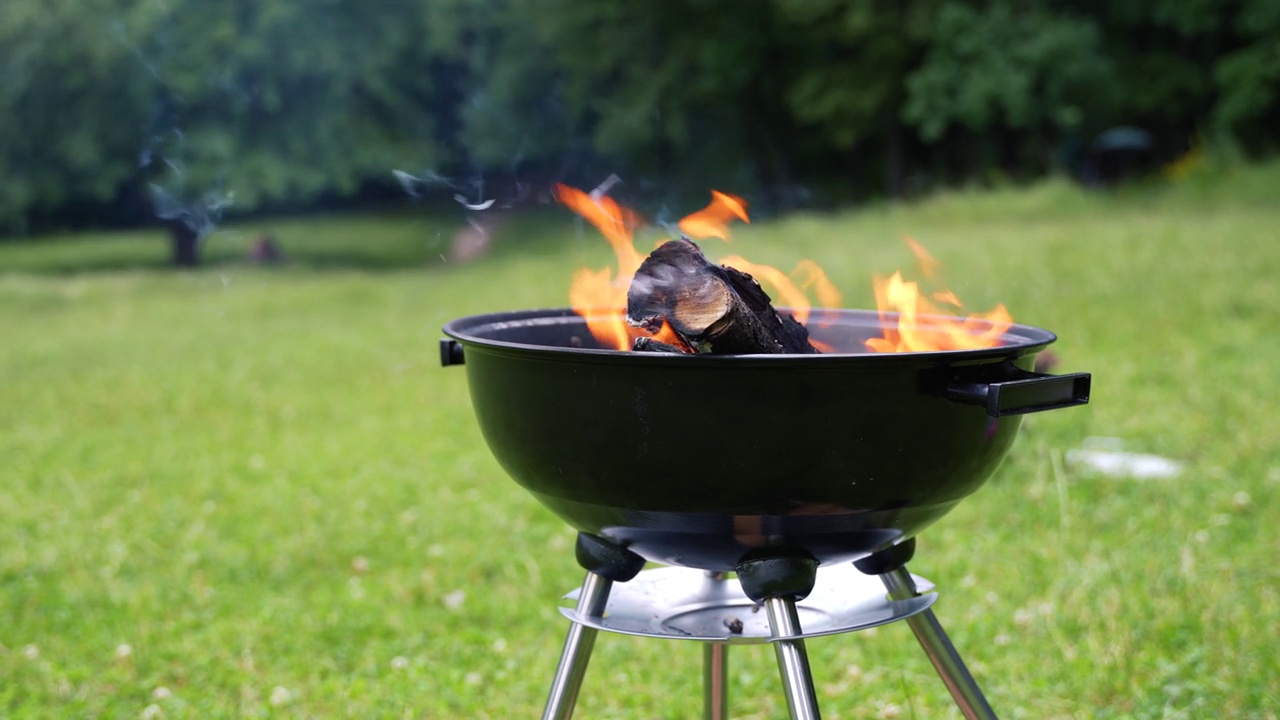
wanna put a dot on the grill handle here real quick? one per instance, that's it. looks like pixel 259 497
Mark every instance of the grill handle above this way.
pixel 450 352
pixel 1023 392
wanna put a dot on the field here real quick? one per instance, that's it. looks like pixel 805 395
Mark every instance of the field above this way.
pixel 253 492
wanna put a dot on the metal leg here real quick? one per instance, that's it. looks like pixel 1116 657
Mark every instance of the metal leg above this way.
pixel 941 652
pixel 715 681
pixel 793 661
pixel 577 650
pixel 715 667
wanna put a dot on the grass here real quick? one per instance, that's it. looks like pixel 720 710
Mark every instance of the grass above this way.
pixel 246 492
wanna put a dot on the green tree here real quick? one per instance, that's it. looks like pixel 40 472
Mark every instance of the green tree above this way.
pixel 281 102
pixel 1248 77
pixel 274 104
pixel 72 104
pixel 291 103
pixel 1000 68
pixel 681 89
pixel 852 63
pixel 1163 54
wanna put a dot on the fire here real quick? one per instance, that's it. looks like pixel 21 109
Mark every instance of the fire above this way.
pixel 920 325
pixel 600 296
pixel 713 220
pixel 667 335
pixel 789 292
pixel 597 295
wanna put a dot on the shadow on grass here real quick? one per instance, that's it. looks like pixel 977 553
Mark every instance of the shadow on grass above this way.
pixel 387 242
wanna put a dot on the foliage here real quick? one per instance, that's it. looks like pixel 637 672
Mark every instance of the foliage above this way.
pixel 1249 77
pixel 71 105
pixel 285 101
pixel 1005 66
pixel 303 103
pixel 866 49
pixel 278 102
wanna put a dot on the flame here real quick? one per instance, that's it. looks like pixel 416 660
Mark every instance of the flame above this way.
pixel 667 335
pixel 912 323
pixel 921 326
pixel 596 295
pixel 948 297
pixel 789 291
pixel 813 276
pixel 713 220
pixel 600 296
pixel 928 264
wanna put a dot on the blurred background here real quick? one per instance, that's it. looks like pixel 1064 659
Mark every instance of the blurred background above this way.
pixel 235 481
pixel 116 111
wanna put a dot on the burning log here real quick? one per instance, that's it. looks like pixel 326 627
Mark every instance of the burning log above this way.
pixel 711 308
pixel 648 344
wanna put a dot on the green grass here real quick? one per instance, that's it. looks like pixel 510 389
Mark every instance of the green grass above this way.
pixel 261 482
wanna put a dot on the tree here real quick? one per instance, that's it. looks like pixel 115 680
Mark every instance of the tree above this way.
pixel 680 90
pixel 117 110
pixel 285 101
pixel 1005 68
pixel 1248 77
pixel 72 104
pixel 276 104
pixel 853 63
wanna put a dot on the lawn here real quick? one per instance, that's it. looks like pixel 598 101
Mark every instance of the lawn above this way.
pixel 253 492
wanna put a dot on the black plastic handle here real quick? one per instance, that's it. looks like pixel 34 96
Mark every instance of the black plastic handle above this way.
pixel 450 352
pixel 1024 392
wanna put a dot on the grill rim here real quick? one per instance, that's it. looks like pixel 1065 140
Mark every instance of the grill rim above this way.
pixel 1018 340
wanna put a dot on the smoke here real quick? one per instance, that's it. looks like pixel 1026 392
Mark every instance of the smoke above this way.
pixel 170 200
pixel 164 147
pixel 482 205
pixel 418 186
pixel 603 188
pixel 470 192
pixel 201 214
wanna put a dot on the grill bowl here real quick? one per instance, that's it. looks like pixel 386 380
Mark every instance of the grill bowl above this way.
pixel 699 460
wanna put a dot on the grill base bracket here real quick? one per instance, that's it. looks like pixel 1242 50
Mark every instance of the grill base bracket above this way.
pixel 683 604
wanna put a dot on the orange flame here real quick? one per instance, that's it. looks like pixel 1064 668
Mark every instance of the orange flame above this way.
pixel 597 295
pixel 788 290
pixel 713 220
pixel 667 335
pixel 911 322
pixel 920 326
pixel 948 297
pixel 813 276
pixel 928 264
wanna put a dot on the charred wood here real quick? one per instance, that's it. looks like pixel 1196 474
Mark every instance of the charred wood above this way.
pixel 713 308
pixel 648 344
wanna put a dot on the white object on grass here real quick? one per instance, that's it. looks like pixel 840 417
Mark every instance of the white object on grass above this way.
pixel 1104 456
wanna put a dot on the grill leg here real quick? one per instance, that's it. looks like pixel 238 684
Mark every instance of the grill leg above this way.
pixel 941 652
pixel 715 681
pixel 793 661
pixel 577 650
pixel 780 581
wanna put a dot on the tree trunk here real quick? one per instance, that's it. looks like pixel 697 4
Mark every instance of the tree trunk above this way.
pixel 185 243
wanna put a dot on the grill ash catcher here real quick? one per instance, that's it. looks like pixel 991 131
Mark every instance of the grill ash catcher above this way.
pixel 784 492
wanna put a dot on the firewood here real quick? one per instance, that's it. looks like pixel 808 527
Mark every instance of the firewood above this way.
pixel 713 308
pixel 648 344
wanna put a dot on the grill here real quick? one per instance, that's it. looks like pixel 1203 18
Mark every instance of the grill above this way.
pixel 765 466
